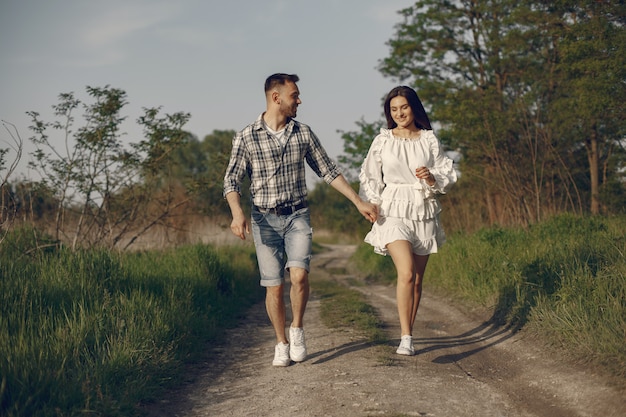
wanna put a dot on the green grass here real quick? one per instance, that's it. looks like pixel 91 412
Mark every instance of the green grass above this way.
pixel 563 279
pixel 96 333
pixel 341 307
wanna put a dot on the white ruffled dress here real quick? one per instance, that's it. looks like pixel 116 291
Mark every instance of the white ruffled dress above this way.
pixel 409 209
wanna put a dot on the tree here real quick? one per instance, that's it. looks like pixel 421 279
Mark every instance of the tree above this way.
pixel 217 147
pixel 201 166
pixel 8 203
pixel 490 72
pixel 107 194
pixel 338 214
pixel 589 108
pixel 355 147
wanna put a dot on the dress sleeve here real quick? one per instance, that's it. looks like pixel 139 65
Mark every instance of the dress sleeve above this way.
pixel 371 175
pixel 443 168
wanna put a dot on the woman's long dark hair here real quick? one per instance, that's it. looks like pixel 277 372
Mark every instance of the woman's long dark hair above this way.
pixel 421 118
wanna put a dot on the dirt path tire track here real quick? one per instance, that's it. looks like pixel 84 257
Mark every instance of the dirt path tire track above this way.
pixel 463 367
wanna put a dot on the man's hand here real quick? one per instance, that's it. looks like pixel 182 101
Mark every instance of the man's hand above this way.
pixel 239 226
pixel 368 210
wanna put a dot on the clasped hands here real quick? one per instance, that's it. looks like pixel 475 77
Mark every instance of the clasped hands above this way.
pixel 368 210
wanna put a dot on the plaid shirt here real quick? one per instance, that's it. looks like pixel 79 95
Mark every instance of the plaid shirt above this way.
pixel 277 172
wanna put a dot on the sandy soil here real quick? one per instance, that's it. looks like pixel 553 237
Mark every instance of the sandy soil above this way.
pixel 463 367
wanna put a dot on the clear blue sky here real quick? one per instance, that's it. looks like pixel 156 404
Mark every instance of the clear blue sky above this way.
pixel 205 57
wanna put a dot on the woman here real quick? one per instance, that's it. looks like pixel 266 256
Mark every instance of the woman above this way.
pixel 404 170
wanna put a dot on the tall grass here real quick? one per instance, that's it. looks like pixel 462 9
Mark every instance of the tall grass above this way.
pixel 96 332
pixel 563 279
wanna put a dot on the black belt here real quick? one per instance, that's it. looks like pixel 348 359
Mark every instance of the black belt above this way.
pixel 283 210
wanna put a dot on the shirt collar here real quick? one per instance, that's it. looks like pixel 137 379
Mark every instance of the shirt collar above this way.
pixel 259 124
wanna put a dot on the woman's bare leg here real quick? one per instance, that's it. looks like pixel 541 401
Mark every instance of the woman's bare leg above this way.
pixel 419 262
pixel 401 252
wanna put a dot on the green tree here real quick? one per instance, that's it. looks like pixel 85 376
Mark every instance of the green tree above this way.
pixel 333 212
pixel 588 109
pixel 355 147
pixel 490 73
pixel 201 166
pixel 107 193
pixel 217 147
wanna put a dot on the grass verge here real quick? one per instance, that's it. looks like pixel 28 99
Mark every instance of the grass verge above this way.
pixel 96 332
pixel 563 280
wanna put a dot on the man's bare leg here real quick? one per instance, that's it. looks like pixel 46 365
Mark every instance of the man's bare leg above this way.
pixel 299 294
pixel 275 306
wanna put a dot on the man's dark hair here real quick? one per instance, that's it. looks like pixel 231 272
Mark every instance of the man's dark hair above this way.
pixel 279 79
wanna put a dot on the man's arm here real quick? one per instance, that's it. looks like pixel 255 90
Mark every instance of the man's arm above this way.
pixel 239 226
pixel 368 210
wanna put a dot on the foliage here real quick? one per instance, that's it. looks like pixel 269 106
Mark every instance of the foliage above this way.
pixel 95 332
pixel 588 108
pixel 373 267
pixel 204 163
pixel 8 203
pixel 564 279
pixel 531 93
pixel 106 193
pixel 331 211
pixel 355 147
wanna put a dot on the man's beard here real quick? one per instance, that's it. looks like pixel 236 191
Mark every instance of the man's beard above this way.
pixel 290 111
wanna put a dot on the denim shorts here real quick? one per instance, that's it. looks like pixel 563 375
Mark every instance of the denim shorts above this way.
pixel 281 242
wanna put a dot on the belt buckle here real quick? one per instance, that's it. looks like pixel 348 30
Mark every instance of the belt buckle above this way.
pixel 285 210
pixel 289 210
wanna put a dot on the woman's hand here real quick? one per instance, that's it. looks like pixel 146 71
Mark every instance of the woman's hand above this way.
pixel 424 174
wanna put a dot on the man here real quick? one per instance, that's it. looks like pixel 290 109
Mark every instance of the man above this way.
pixel 272 151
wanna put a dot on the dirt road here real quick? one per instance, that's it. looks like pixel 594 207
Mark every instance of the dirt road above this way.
pixel 463 367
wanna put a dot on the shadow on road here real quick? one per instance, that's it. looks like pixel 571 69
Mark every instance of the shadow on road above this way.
pixel 342 350
pixel 480 338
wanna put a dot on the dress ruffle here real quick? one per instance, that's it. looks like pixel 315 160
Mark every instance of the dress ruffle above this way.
pixel 426 237
pixel 414 202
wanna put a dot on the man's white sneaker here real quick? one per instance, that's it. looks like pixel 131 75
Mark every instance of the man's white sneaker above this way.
pixel 297 347
pixel 406 346
pixel 281 355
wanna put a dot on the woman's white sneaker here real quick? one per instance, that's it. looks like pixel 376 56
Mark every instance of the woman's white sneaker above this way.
pixel 406 346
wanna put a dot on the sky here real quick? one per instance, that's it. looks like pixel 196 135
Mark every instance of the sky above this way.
pixel 204 57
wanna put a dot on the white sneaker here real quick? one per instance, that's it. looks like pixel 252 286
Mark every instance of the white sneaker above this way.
pixel 281 355
pixel 297 347
pixel 406 346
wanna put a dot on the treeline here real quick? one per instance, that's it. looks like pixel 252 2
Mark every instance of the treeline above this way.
pixel 531 93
